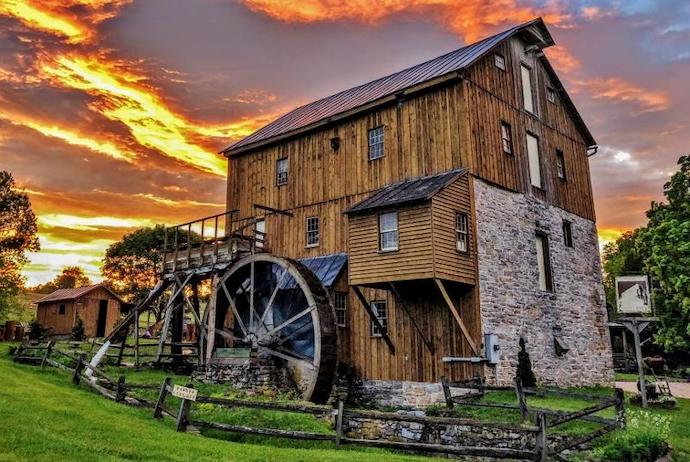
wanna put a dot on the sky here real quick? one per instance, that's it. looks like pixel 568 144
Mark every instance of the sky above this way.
pixel 112 112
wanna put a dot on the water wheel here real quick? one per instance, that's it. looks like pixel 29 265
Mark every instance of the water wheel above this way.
pixel 279 308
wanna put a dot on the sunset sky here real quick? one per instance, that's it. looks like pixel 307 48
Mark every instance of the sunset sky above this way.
pixel 112 111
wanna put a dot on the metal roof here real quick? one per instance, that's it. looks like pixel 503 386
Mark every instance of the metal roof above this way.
pixel 416 190
pixel 71 294
pixel 330 106
pixel 326 267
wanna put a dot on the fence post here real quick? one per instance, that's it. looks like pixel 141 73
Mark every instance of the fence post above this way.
pixel 542 449
pixel 76 378
pixel 620 408
pixel 339 423
pixel 18 352
pixel 158 410
pixel 520 393
pixel 46 356
pixel 446 392
pixel 183 415
pixel 121 390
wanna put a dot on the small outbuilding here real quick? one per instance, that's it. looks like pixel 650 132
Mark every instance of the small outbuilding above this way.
pixel 98 307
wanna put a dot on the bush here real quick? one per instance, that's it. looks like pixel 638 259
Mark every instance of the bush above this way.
pixel 78 331
pixel 644 439
pixel 36 330
pixel 524 368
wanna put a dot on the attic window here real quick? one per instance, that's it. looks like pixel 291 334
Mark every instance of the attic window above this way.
pixel 376 143
pixel 551 95
pixel 500 61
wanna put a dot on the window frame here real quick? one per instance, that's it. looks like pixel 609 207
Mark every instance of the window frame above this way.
pixel 62 309
pixel 340 310
pixel 530 85
pixel 395 230
pixel 311 231
pixel 541 186
pixel 550 94
pixel 460 235
pixel 282 176
pixel 542 241
pixel 561 172
pixel 377 143
pixel 497 57
pixel 382 319
pixel 567 227
pixel 506 127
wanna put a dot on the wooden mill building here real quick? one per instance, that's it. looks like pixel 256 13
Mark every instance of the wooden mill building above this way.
pixel 460 191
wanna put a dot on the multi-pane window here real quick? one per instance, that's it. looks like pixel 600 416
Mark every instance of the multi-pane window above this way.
pixel 340 301
pixel 500 61
pixel 560 164
pixel 534 161
pixel 506 138
pixel 312 231
pixel 462 232
pixel 544 262
pixel 527 98
pixel 380 309
pixel 388 231
pixel 282 171
pixel 376 143
pixel 61 309
pixel 551 95
pixel 567 233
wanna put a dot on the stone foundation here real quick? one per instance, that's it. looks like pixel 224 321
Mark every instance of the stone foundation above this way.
pixel 400 394
pixel 254 376
pixel 512 306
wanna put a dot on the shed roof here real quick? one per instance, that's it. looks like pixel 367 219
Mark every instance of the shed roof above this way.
pixel 406 192
pixel 326 267
pixel 321 111
pixel 77 292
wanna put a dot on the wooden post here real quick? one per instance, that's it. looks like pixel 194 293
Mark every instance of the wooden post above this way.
pixel 446 392
pixel 158 409
pixel 76 377
pixel 136 336
pixel 121 390
pixel 640 362
pixel 46 356
pixel 542 449
pixel 339 423
pixel 211 320
pixel 620 408
pixel 183 415
pixel 520 394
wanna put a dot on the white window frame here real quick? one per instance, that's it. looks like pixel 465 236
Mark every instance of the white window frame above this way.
pixel 313 232
pixel 534 158
pixel 376 138
pixel 462 232
pixel 527 88
pixel 282 170
pixel 381 315
pixel 260 233
pixel 500 61
pixel 506 138
pixel 386 231
pixel 544 262
pixel 340 305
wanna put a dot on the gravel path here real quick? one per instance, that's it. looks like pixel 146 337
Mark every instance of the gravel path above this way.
pixel 678 389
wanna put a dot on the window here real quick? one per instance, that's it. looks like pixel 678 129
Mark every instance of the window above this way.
pixel 388 231
pixel 340 300
pixel 567 233
pixel 534 161
pixel 312 231
pixel 551 95
pixel 282 171
pixel 500 61
pixel 462 232
pixel 527 98
pixel 506 138
pixel 544 262
pixel 61 309
pixel 260 233
pixel 380 309
pixel 376 143
pixel 560 164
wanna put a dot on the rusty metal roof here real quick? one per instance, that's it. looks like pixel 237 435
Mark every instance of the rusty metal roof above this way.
pixel 330 106
pixel 72 294
pixel 410 191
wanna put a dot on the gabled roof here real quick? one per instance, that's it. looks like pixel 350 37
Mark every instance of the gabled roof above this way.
pixel 407 192
pixel 72 294
pixel 328 109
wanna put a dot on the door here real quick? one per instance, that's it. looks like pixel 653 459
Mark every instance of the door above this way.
pixel 102 318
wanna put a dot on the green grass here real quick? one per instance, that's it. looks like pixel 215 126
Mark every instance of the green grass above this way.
pixel 630 377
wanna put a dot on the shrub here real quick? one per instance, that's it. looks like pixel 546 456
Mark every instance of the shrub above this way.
pixel 78 333
pixel 644 439
pixel 36 330
pixel 524 367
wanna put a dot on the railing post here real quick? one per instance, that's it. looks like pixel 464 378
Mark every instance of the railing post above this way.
pixel 177 248
pixel 183 415
pixel 158 410
pixel 620 408
pixel 121 390
pixel 542 449
pixel 339 422
pixel 46 355
pixel 76 377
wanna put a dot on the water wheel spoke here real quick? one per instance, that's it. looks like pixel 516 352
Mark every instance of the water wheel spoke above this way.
pixel 289 321
pixel 305 328
pixel 291 357
pixel 231 301
pixel 269 305
pixel 228 335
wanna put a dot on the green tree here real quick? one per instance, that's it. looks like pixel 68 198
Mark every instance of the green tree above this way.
pixel 17 236
pixel 620 257
pixel 69 278
pixel 524 367
pixel 78 333
pixel 665 244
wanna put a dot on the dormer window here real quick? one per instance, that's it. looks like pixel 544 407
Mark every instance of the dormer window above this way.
pixel 500 61
pixel 376 143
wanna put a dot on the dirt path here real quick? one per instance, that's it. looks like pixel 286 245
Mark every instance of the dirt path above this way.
pixel 678 389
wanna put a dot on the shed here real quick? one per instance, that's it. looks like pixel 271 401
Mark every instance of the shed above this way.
pixel 97 305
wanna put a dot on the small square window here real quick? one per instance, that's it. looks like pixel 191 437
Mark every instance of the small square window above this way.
pixel 312 231
pixel 500 61
pixel 560 164
pixel 62 309
pixel 506 138
pixel 380 309
pixel 462 232
pixel 282 171
pixel 376 143
pixel 551 95
pixel 388 231
pixel 340 301
pixel 567 233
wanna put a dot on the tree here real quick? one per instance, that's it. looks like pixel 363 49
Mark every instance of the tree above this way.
pixel 78 333
pixel 17 236
pixel 69 278
pixel 665 245
pixel 623 256
pixel 524 371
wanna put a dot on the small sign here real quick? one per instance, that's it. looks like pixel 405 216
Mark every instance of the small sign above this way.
pixel 633 295
pixel 185 393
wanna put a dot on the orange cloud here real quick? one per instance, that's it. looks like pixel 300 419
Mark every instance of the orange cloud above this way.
pixel 617 89
pixel 563 60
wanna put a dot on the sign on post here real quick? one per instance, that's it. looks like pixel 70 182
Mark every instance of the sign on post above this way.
pixel 184 392
pixel 633 294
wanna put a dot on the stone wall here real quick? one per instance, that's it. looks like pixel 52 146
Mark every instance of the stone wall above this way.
pixel 512 306
pixel 253 376
pixel 399 394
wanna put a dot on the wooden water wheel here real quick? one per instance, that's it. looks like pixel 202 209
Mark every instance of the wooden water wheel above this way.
pixel 279 308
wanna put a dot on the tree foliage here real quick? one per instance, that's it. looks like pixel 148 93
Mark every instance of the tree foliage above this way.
pixel 69 278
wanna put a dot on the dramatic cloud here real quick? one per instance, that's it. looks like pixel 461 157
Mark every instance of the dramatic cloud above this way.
pixel 618 90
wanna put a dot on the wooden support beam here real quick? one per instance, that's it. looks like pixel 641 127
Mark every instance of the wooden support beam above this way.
pixel 210 316
pixel 266 208
pixel 399 301
pixel 367 307
pixel 456 315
